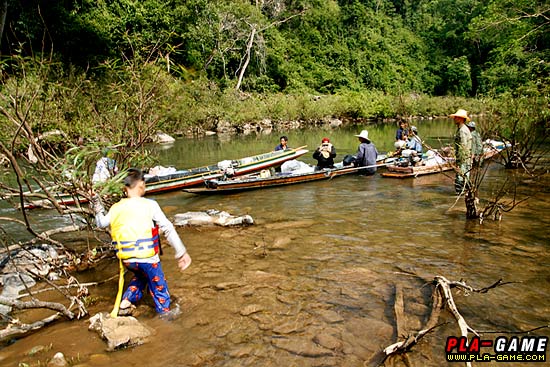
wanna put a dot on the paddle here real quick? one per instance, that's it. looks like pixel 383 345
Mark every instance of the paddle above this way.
pixel 296 149
pixel 331 174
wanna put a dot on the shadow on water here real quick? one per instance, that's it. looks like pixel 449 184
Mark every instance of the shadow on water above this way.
pixel 313 282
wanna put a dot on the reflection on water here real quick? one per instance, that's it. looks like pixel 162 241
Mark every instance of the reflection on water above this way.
pixel 313 282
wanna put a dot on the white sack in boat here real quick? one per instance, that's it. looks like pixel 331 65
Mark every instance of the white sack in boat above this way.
pixel 296 167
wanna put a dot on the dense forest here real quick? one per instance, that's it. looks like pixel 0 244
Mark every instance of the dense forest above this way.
pixel 98 68
pixel 438 47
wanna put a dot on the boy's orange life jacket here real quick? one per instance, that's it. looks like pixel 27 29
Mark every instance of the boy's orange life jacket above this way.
pixel 132 230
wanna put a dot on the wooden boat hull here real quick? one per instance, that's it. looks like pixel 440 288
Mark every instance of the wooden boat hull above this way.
pixel 255 182
pixel 405 172
pixel 63 200
pixel 490 150
pixel 197 176
pixel 226 187
pixel 190 177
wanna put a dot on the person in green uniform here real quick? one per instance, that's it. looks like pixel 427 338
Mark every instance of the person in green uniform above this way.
pixel 463 150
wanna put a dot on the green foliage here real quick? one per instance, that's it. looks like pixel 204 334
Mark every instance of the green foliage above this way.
pixel 458 76
pixel 524 123
pixel 442 47
pixel 516 34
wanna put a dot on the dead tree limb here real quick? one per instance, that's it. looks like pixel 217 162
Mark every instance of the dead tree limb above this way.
pixel 442 297
pixel 22 305
pixel 247 57
pixel 410 340
pixel 17 328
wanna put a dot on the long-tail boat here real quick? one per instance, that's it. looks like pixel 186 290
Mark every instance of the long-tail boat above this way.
pixel 197 176
pixel 175 180
pixel 265 179
pixel 434 162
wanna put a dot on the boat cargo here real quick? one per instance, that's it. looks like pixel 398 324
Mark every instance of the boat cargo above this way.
pixel 265 179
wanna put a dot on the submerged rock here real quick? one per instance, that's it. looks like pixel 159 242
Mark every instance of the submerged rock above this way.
pixel 119 332
pixel 250 309
pixel 302 346
pixel 211 217
pixel 58 360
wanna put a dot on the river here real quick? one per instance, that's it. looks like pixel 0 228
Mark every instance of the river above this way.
pixel 314 281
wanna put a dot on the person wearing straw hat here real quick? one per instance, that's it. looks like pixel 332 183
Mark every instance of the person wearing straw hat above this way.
pixel 135 222
pixel 463 149
pixel 477 145
pixel 366 154
pixel 324 154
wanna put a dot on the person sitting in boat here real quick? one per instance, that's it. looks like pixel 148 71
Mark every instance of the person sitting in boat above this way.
pixel 413 141
pixel 105 167
pixel 283 144
pixel 407 152
pixel 366 154
pixel 324 154
pixel 403 127
pixel 477 146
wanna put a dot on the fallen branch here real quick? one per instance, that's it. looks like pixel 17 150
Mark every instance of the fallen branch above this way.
pixel 90 284
pixel 441 296
pixel 411 340
pixel 22 305
pixel 16 328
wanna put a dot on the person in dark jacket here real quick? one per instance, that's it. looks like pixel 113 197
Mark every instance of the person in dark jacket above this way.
pixel 325 154
pixel 366 154
pixel 283 146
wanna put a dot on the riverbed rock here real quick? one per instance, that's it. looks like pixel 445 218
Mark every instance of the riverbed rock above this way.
pixel 291 326
pixel 162 138
pixel 119 332
pixel 227 285
pixel 281 243
pixel 250 309
pixel 211 217
pixel 329 316
pixel 334 123
pixel 302 346
pixel 328 341
pixel 58 360
pixel 225 127
pixel 259 277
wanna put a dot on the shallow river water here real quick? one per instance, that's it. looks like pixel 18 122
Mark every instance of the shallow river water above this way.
pixel 314 281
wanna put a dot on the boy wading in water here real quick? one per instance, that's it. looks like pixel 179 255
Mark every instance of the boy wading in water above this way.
pixel 135 223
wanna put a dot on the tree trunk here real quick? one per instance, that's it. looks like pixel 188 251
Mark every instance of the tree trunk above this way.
pixel 471 204
pixel 247 60
pixel 3 15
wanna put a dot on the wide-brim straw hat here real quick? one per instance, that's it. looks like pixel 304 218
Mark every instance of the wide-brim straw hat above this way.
pixel 364 134
pixel 461 113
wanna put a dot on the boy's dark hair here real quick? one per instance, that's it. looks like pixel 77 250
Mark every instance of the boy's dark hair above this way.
pixel 283 137
pixel 133 177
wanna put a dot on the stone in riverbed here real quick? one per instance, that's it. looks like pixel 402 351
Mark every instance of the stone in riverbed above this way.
pixel 329 316
pixel 119 332
pixel 328 341
pixel 250 309
pixel 58 360
pixel 302 346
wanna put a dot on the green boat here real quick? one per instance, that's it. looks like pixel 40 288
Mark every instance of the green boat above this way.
pixel 197 176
